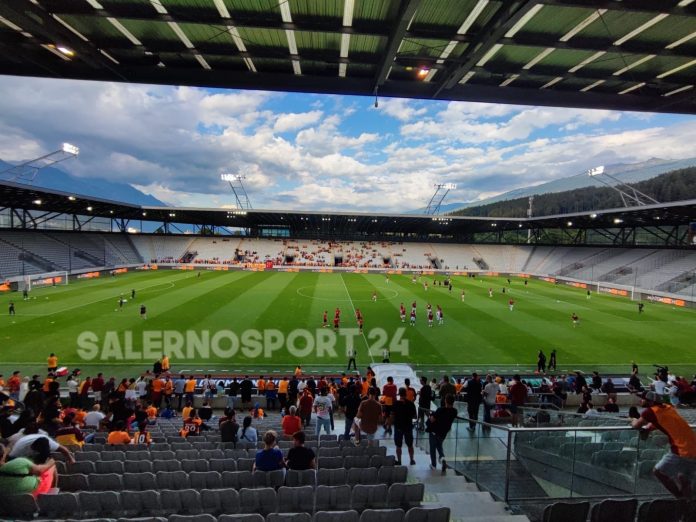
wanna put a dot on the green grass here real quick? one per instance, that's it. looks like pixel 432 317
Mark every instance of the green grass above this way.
pixel 479 333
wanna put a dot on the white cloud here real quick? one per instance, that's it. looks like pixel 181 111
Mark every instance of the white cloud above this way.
pixel 294 121
pixel 400 109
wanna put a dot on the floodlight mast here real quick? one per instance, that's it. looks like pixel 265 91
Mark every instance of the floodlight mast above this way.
pixel 26 172
pixel 441 191
pixel 240 194
pixel 630 196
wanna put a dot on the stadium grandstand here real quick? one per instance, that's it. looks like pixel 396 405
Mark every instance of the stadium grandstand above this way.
pixel 174 364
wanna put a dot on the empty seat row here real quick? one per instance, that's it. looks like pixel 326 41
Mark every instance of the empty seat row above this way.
pixel 624 510
pixel 231 479
pixel 264 501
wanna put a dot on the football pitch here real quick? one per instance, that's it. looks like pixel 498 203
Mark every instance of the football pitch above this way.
pixel 276 319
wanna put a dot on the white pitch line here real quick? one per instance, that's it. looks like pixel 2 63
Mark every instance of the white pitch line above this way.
pixel 353 306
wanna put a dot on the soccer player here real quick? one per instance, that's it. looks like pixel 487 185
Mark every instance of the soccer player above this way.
pixel 325 319
pixel 511 304
pixel 413 317
pixel 413 279
pixel 387 279
pixel 358 314
pixel 374 296
pixel 425 286
pixel 12 308
pixel 385 356
pixel 588 293
pixel 336 322
pixel 25 294
pixel 490 292
pixel 360 324
pixel 132 294
pixel 440 317
pixel 402 312
pixel 575 319
pixel 413 306
pixel 121 300
pixel 640 308
pixel 463 295
pixel 143 312
pixel 430 318
pixel 337 313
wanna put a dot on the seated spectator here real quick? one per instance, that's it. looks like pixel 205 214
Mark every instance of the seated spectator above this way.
pixel 142 436
pixel 247 433
pixel 291 423
pixel 633 413
pixel 192 425
pixel 28 475
pixel 257 411
pixel 229 428
pixel 609 388
pixel 300 457
pixel 151 412
pixel 590 412
pixel 205 412
pixel 270 458
pixel 23 446
pixel 69 434
pixel 611 406
pixel 186 411
pixel 119 435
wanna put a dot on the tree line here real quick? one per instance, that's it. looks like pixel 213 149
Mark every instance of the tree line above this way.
pixel 676 185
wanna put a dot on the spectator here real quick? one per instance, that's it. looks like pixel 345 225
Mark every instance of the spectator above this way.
pixel 190 389
pixel 322 407
pixel 634 384
pixel 489 393
pixel 596 381
pixel 23 388
pixel 518 396
pixel 291 423
pixel 609 388
pixel 439 425
pixel 270 458
pixel 73 384
pixel 446 388
pixel 24 475
pixel 305 407
pixel 142 436
pixel 299 457
pixel 247 433
pixel 401 418
pixel 229 427
pixel 611 406
pixel 271 395
pixel 98 387
pixel 676 469
pixel 474 392
pixel 389 393
pixel 192 425
pixel 351 403
pixel 367 419
pixel 179 385
pixel 119 435
pixel 69 434
pixel 245 389
pixel 205 412
pixel 283 392
pixel 425 399
pixel 23 447
pixel 590 412
pixel 188 409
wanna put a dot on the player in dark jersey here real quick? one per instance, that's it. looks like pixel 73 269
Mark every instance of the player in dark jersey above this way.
pixel 430 318
pixel 413 317
pixel 143 312
pixel 12 308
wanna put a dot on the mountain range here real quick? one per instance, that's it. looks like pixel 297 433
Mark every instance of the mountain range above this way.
pixel 56 179
pixel 626 172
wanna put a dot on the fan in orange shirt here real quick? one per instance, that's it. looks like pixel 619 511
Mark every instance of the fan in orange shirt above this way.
pixel 119 436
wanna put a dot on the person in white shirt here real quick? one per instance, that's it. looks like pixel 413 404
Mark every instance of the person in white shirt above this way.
pixel 300 387
pixel 490 392
pixel 23 389
pixel 659 386
pixel 247 433
pixel 73 385
pixel 591 412
pixel 141 387
pixel 322 407
pixel 22 448
pixel 94 417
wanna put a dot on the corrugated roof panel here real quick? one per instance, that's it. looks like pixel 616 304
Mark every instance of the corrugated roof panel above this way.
pixel 206 33
pixel 610 63
pixel 273 65
pixel 366 44
pixel 263 37
pixel 258 6
pixel 374 10
pixel 567 58
pixel 316 40
pixel 615 24
pixel 314 8
pixel 515 54
pixel 150 30
pixel 557 21
pixel 422 47
pixel 443 12
pixel 92 26
pixel 658 65
pixel 669 30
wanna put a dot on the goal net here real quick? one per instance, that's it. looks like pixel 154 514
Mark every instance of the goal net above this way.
pixel 29 282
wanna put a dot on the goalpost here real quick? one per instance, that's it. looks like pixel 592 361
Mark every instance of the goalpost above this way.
pixel 28 282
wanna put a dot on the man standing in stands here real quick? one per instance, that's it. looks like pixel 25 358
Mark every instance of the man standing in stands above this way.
pixel 518 396
pixel 676 469
pixel 245 389
pixel 446 388
pixel 439 425
pixel 401 419
pixel 425 399
pixel 473 398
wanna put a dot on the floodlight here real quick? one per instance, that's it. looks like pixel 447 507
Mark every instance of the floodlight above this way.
pixel 37 202
pixel 423 72
pixel 617 221
pixel 71 149
pixel 570 223
pixel 65 50
pixel 72 198
pixel 449 186
pixel 231 177
pixel 593 215
pixel 89 209
pixel 596 171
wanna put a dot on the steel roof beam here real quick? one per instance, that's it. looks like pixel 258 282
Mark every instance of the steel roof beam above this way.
pixel 396 35
pixel 638 6
pixel 504 19
pixel 35 20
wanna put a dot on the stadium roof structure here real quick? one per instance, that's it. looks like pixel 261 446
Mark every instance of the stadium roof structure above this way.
pixel 611 54
pixel 31 206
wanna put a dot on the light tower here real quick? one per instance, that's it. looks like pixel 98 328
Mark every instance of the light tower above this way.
pixel 26 172
pixel 529 216
pixel 630 196
pixel 237 186
pixel 441 191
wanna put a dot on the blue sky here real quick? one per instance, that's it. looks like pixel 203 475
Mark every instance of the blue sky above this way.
pixel 305 151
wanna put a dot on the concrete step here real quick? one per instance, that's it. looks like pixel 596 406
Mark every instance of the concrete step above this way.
pixel 467 504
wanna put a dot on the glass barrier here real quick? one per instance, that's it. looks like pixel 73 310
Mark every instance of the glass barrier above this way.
pixel 557 455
